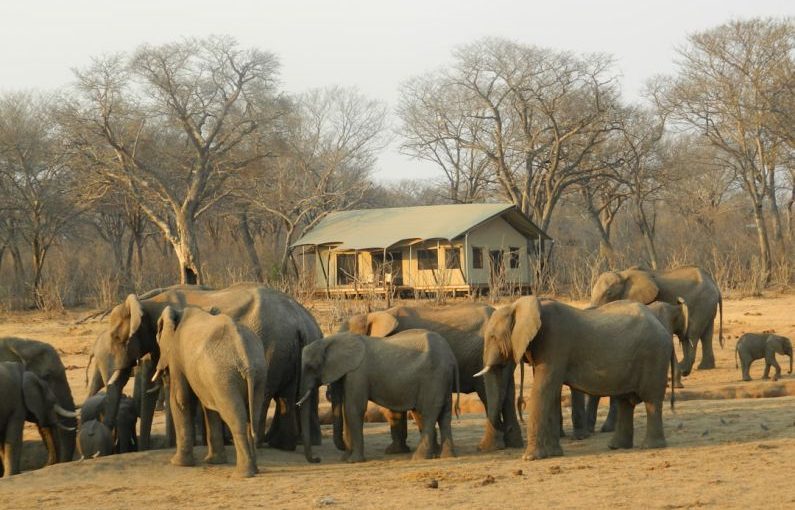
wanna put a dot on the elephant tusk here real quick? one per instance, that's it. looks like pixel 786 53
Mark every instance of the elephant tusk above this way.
pixel 66 414
pixel 485 369
pixel 153 389
pixel 157 374
pixel 95 455
pixel 304 398
pixel 114 377
pixel 64 427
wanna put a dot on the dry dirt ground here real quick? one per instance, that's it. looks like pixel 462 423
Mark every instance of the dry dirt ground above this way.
pixel 729 446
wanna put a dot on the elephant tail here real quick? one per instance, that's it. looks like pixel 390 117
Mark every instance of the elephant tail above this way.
pixel 520 403
pixel 736 364
pixel 90 357
pixel 720 325
pixel 252 418
pixel 457 393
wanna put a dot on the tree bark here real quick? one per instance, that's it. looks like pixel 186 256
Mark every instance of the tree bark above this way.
pixel 187 250
pixel 764 242
pixel 248 243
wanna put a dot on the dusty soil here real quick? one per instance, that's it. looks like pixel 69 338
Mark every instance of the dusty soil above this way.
pixel 729 447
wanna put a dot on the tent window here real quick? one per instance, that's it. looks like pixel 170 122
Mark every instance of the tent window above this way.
pixel 452 258
pixel 427 259
pixel 346 268
pixel 477 258
pixel 513 257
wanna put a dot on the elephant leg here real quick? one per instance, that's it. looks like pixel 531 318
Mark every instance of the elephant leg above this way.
pixel 745 364
pixel 314 418
pixel 354 424
pixel 12 447
pixel 707 354
pixel 489 441
pixel 171 435
pixel 148 401
pixel 49 442
pixel 446 430
pixel 610 422
pixel 543 424
pixel 245 451
pixel 655 437
pixel 398 428
pixel 263 433
pixel 578 420
pixel 426 449
pixel 284 428
pixel 591 408
pixel 623 435
pixel 512 433
pixel 677 376
pixel 182 411
pixel 216 453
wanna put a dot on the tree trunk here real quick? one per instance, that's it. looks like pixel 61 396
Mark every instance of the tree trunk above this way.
pixel 764 242
pixel 248 243
pixel 187 250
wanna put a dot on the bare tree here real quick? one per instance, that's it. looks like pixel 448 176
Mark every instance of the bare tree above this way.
pixel 328 149
pixel 170 125
pixel 726 77
pixel 535 114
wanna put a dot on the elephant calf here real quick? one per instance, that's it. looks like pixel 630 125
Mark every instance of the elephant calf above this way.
pixel 94 439
pixel 221 363
pixel 412 370
pixel 124 438
pixel 753 346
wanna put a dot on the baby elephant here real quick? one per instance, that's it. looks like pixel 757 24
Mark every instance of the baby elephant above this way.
pixel 221 363
pixel 124 437
pixel 412 370
pixel 94 439
pixel 753 346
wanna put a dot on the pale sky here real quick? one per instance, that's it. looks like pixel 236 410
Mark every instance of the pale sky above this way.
pixel 371 45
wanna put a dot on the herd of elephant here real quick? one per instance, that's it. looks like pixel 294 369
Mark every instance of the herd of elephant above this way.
pixel 225 355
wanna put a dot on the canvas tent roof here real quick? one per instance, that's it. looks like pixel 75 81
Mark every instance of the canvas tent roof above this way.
pixel 383 228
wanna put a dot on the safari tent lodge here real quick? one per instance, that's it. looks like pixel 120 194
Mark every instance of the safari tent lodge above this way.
pixel 463 248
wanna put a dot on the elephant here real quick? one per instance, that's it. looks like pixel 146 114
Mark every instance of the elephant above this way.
pixel 411 370
pixel 753 346
pixel 43 360
pixel 94 439
pixel 462 326
pixel 674 319
pixel 124 437
pixel 283 326
pixel 26 397
pixel 693 284
pixel 619 350
pixel 221 363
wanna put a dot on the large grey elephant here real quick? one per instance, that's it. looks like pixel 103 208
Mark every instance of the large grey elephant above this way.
pixel 283 326
pixel 43 360
pixel 222 363
pixel 412 370
pixel 462 326
pixel 693 284
pixel 125 438
pixel 753 346
pixel 620 350
pixel 26 397
pixel 674 319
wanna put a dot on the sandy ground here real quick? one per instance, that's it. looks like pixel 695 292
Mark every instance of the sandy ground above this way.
pixel 725 450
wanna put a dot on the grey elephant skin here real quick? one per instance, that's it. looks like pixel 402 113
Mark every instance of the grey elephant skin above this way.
pixel 94 439
pixel 222 364
pixel 753 346
pixel 283 326
pixel 43 360
pixel 620 350
pixel 26 397
pixel 125 438
pixel 674 319
pixel 462 327
pixel 691 283
pixel 412 370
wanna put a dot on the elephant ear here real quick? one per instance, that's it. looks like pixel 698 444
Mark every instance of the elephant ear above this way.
pixel 34 394
pixel 381 324
pixel 166 326
pixel 639 286
pixel 343 354
pixel 125 319
pixel 526 323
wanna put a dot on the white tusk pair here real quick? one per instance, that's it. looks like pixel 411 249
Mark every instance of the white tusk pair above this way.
pixel 485 369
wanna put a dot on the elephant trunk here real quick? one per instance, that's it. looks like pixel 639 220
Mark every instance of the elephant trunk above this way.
pixel 113 390
pixel 690 357
pixel 495 396
pixel 65 439
pixel 306 418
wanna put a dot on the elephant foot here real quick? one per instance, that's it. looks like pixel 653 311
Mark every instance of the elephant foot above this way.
pixel 448 451
pixel 650 443
pixel 396 448
pixel 706 364
pixel 215 458
pixel 623 443
pixel 487 445
pixel 746 378
pixel 513 439
pixel 183 460
pixel 246 471
pixel 543 453
pixel 579 435
pixel 282 444
pixel 353 459
pixel 765 377
pixel 608 427
pixel 678 384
